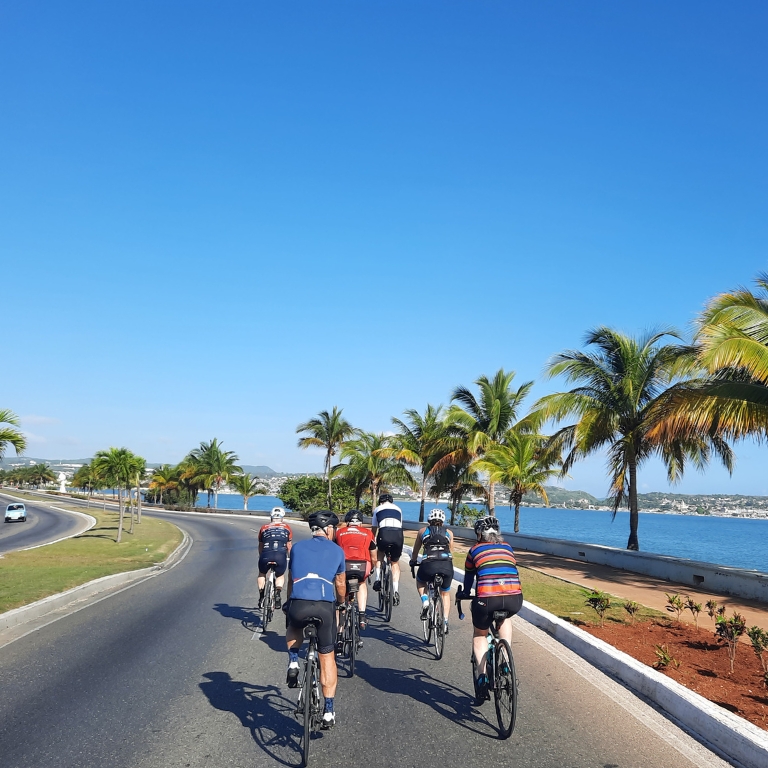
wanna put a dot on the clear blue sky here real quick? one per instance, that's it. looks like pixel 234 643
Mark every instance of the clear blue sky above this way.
pixel 217 219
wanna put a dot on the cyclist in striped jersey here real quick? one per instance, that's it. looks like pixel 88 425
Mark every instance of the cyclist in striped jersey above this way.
pixel 492 562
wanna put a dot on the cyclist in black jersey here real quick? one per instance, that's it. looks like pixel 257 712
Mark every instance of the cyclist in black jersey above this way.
pixel 274 547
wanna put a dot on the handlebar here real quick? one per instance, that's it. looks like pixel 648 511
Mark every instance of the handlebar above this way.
pixel 458 608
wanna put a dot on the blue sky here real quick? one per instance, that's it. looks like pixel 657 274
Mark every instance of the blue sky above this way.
pixel 220 219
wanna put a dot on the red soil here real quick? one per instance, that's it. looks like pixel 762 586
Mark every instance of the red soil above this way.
pixel 704 665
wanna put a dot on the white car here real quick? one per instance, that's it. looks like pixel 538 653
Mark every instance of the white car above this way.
pixel 15 512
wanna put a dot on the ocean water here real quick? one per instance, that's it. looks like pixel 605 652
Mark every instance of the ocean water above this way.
pixel 733 541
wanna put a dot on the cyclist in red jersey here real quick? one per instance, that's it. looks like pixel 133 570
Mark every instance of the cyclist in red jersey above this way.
pixel 357 543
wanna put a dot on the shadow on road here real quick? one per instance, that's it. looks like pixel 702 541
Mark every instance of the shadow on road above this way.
pixel 403 641
pixel 444 698
pixel 262 709
pixel 250 618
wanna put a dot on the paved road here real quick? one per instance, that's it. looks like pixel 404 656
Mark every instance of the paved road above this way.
pixel 43 525
pixel 169 673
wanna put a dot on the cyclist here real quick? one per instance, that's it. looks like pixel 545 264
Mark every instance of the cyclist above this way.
pixel 274 546
pixel 492 562
pixel 315 582
pixel 357 543
pixel 437 543
pixel 387 525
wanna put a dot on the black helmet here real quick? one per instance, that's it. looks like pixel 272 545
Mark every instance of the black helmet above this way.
pixel 486 524
pixel 385 498
pixel 353 516
pixel 322 519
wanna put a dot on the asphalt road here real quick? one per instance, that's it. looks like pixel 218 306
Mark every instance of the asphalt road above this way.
pixel 43 525
pixel 170 673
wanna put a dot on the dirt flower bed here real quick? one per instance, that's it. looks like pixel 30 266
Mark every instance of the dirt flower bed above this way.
pixel 703 663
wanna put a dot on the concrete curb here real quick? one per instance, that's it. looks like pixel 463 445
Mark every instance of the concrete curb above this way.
pixel 728 734
pixel 72 597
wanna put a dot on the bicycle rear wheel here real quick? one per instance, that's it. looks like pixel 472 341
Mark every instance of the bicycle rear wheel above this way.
pixel 388 596
pixel 354 629
pixel 505 689
pixel 381 585
pixel 267 604
pixel 426 624
pixel 307 697
pixel 439 625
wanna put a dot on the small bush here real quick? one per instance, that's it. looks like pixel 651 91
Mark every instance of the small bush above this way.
pixel 599 601
pixel 664 658
pixel 712 607
pixel 675 604
pixel 694 608
pixel 631 607
pixel 729 631
pixel 759 639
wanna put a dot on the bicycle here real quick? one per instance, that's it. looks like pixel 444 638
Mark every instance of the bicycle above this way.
pixel 387 591
pixel 310 703
pixel 351 628
pixel 434 623
pixel 268 603
pixel 500 668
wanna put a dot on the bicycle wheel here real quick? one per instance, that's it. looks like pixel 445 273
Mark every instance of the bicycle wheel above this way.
pixel 505 688
pixel 307 697
pixel 439 617
pixel 353 639
pixel 381 590
pixel 388 596
pixel 267 604
pixel 426 624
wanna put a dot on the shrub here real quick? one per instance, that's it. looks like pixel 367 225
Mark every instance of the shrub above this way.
pixel 712 607
pixel 631 607
pixel 467 516
pixel 694 608
pixel 729 631
pixel 664 658
pixel 599 601
pixel 675 604
pixel 759 639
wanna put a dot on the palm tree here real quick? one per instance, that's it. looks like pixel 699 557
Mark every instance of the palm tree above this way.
pixel 457 480
pixel 368 468
pixel 247 485
pixel 9 435
pixel 421 442
pixel 115 467
pixel 164 478
pixel 483 421
pixel 620 382
pixel 214 465
pixel 85 479
pixel 328 431
pixel 523 463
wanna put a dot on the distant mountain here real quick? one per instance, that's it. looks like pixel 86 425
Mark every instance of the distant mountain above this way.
pixel 559 497
pixel 261 471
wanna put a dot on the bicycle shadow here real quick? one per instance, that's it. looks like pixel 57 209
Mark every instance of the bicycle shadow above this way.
pixel 445 699
pixel 250 618
pixel 403 641
pixel 262 709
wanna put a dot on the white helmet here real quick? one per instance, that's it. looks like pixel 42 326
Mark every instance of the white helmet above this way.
pixel 436 515
pixel 278 513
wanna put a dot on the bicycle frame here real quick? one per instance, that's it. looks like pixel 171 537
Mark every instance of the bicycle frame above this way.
pixel 309 704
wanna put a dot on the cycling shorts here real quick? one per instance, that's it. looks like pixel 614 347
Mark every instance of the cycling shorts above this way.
pixel 358 569
pixel 299 611
pixel 430 568
pixel 390 542
pixel 276 556
pixel 483 608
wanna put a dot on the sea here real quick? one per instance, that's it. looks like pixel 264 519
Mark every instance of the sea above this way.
pixel 734 541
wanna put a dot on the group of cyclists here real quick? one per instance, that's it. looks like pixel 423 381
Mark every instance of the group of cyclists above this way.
pixel 321 565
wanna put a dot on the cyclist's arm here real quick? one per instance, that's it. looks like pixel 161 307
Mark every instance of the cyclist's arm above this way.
pixel 288 585
pixel 450 540
pixel 340 582
pixel 417 545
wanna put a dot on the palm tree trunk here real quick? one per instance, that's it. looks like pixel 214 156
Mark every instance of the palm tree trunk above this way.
pixel 491 499
pixel 138 500
pixel 633 542
pixel 130 507
pixel 423 497
pixel 328 475
pixel 245 503
pixel 517 516
pixel 120 520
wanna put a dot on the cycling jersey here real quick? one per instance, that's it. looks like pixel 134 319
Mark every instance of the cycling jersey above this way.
pixel 356 542
pixel 275 536
pixel 315 563
pixel 435 543
pixel 495 567
pixel 387 515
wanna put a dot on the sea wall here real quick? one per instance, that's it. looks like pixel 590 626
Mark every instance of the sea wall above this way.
pixel 719 579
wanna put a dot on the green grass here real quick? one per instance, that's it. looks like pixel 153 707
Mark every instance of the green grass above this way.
pixel 37 573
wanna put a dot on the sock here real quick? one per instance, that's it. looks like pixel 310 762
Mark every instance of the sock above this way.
pixel 378 573
pixel 293 656
pixel 329 704
pixel 395 585
pixel 424 599
pixel 279 590
pixel 261 594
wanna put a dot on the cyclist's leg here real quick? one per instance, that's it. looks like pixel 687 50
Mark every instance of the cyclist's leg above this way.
pixel 482 616
pixel 395 551
pixel 512 603
pixel 261 581
pixel 480 649
pixel 328 674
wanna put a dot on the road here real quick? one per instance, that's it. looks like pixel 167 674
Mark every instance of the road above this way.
pixel 170 673
pixel 43 525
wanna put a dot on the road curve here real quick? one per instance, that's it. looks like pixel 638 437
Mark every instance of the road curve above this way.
pixel 43 525
pixel 170 673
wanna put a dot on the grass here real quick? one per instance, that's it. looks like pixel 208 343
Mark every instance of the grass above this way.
pixel 37 573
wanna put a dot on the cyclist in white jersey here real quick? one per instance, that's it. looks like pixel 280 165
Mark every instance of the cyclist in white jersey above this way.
pixel 387 524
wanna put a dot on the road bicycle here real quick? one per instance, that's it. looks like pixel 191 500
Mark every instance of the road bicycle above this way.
pixel 268 603
pixel 387 591
pixel 433 626
pixel 309 707
pixel 500 668
pixel 350 636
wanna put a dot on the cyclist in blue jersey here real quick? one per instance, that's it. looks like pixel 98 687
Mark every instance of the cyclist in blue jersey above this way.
pixel 274 547
pixel 316 581
pixel 387 525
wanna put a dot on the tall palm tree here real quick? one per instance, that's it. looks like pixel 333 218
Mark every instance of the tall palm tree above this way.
pixel 523 463
pixel 9 435
pixel 620 381
pixel 215 465
pixel 164 478
pixel 328 431
pixel 485 419
pixel 457 480
pixel 247 485
pixel 421 442
pixel 368 468
pixel 115 466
